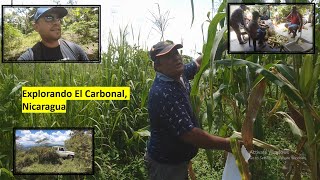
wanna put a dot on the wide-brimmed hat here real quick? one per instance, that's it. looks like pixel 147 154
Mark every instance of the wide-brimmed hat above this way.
pixel 162 48
pixel 61 11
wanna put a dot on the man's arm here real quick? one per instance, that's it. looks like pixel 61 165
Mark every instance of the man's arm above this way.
pixel 198 62
pixel 202 139
pixel 242 18
pixel 82 55
pixel 28 55
pixel 289 17
pixel 301 21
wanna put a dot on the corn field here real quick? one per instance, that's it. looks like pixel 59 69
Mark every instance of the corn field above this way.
pixel 271 102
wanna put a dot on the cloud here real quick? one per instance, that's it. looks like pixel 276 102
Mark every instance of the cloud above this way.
pixel 25 132
pixel 29 138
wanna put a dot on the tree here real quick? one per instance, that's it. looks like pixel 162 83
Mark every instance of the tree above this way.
pixel 81 143
pixel 160 21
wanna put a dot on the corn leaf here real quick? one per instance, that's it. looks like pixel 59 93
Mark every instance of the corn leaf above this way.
pixel 212 43
pixel 287 72
pixel 306 75
pixel 254 102
pixel 256 142
pixel 288 89
pixel 7 173
pixel 209 114
pixel 276 106
pixel 293 126
pixel 210 159
pixel 17 87
pixel 222 6
pixel 313 82
pixel 296 116
pixel 240 161
pixel 316 139
pixel 143 133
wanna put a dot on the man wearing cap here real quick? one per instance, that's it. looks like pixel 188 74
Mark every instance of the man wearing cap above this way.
pixel 237 19
pixel 175 133
pixel 51 47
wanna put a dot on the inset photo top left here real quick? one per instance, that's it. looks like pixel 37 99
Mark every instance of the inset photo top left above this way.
pixel 51 34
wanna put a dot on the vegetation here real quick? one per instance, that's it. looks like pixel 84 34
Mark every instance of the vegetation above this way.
pixel 46 160
pixel 276 96
pixel 40 155
pixel 81 142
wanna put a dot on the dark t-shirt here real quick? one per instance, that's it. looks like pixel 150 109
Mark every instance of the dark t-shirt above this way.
pixel 50 53
pixel 171 115
pixel 237 16
pixel 68 50
pixel 264 17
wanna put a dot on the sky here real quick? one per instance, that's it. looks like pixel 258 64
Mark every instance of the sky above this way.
pixel 30 137
pixel 117 14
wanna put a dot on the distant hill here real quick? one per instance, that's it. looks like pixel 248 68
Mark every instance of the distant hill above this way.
pixel 39 145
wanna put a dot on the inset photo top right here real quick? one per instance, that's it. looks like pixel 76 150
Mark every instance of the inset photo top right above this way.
pixel 271 28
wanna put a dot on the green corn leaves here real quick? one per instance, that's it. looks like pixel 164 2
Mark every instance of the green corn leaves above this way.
pixel 211 44
pixel 274 76
pixel 306 75
pixel 6 174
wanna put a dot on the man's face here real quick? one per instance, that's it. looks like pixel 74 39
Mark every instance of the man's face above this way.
pixel 49 27
pixel 171 64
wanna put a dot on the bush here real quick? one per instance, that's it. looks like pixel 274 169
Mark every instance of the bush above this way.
pixel 12 40
pixel 49 156
pixel 25 159
pixel 46 155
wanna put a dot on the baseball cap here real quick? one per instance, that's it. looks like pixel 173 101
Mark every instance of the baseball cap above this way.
pixel 162 48
pixel 61 11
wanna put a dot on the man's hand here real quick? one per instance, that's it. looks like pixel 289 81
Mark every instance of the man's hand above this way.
pixel 198 62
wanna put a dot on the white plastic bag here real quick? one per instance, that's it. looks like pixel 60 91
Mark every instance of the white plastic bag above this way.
pixel 231 171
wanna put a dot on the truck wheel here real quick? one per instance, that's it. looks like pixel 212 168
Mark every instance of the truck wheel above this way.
pixel 70 157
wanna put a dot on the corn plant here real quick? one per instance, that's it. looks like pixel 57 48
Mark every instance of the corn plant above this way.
pixel 238 86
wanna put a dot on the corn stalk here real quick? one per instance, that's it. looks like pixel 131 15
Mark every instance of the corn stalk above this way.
pixel 301 91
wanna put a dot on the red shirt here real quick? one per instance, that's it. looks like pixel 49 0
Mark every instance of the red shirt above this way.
pixel 294 18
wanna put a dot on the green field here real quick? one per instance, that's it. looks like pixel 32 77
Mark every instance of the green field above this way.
pixel 27 162
pixel 274 97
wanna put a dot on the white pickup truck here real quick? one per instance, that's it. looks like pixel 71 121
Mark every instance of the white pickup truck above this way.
pixel 63 153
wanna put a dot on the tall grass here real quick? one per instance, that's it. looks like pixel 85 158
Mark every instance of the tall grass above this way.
pixel 116 123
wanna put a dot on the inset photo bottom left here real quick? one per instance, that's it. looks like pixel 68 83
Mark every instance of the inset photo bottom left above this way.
pixel 53 151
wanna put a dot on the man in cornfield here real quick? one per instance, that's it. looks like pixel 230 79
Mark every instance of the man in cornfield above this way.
pixel 47 22
pixel 175 133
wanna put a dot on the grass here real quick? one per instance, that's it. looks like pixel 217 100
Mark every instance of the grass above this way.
pixel 67 166
pixel 115 122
